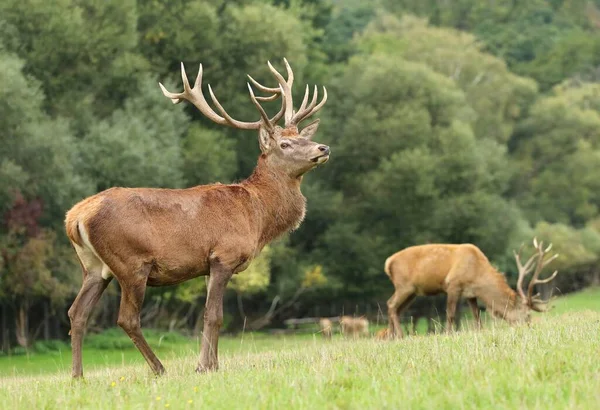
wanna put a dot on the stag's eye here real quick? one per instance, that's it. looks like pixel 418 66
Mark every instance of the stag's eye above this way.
pixel 284 145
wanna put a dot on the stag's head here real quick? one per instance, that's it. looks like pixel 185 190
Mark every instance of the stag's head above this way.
pixel 536 263
pixel 288 150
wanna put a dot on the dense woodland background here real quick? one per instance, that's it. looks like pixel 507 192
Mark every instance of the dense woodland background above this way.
pixel 449 121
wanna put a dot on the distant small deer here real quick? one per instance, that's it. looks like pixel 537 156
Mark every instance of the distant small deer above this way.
pixel 463 271
pixel 157 237
pixel 354 326
pixel 326 327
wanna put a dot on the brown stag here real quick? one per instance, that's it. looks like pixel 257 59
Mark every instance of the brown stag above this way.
pixel 157 237
pixel 463 271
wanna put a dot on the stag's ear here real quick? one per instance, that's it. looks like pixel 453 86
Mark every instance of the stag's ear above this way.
pixel 310 130
pixel 265 139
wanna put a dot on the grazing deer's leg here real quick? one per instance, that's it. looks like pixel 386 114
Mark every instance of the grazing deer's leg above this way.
pixel 475 309
pixel 132 298
pixel 79 312
pixel 452 302
pixel 213 318
pixel 399 301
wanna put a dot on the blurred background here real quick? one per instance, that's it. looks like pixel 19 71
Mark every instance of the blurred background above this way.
pixel 449 121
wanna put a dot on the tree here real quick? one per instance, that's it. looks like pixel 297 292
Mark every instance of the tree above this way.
pixel 498 97
pixel 38 155
pixel 556 145
pixel 81 51
pixel 139 145
pixel 32 266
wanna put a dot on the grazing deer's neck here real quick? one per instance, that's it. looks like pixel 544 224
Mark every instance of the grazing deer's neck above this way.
pixel 496 294
pixel 281 204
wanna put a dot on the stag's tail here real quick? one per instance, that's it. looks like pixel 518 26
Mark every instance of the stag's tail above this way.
pixel 388 265
pixel 72 227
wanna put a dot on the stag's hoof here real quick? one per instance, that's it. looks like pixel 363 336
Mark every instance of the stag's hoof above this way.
pixel 206 369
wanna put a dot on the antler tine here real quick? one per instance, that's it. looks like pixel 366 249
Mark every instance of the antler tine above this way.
pixel 523 271
pixel 263 114
pixel 305 99
pixel 311 109
pixel 304 110
pixel 548 279
pixel 263 88
pixel 275 90
pixel 196 97
pixel 286 88
pixel 541 253
pixel 269 98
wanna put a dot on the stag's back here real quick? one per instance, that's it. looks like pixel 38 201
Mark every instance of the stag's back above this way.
pixel 429 268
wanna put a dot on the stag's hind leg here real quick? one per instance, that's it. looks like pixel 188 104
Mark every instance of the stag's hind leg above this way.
pixel 91 289
pixel 451 304
pixel 133 289
pixel 399 301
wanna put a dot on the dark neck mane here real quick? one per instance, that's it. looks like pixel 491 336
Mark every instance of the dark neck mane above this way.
pixel 281 204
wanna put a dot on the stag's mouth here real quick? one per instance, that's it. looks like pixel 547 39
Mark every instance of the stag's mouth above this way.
pixel 321 159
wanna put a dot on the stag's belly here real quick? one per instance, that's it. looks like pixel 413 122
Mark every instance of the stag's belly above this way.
pixel 164 275
pixel 428 283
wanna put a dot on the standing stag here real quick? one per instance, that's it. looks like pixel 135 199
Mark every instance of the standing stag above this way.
pixel 463 271
pixel 157 237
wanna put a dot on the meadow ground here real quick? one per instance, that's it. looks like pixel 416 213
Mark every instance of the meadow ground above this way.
pixel 554 363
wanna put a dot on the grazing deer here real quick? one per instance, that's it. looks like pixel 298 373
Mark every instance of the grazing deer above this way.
pixel 463 271
pixel 326 327
pixel 157 237
pixel 354 326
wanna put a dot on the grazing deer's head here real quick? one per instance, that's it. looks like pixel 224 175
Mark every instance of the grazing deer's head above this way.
pixel 528 300
pixel 285 149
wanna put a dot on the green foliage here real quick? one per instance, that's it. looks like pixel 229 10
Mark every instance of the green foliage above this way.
pixel 139 145
pixel 497 95
pixel 38 154
pixel 27 272
pixel 81 51
pixel 208 156
pixel 556 145
pixel 256 277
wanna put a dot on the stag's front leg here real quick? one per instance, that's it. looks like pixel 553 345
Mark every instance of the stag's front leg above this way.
pixel 213 318
pixel 475 310
pixel 451 304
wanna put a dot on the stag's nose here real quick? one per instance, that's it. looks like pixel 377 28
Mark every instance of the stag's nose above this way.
pixel 324 149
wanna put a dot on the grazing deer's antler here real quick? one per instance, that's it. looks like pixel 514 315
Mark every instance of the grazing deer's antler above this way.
pixel 539 260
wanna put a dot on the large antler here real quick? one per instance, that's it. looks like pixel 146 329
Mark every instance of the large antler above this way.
pixel 292 118
pixel 196 97
pixel 538 259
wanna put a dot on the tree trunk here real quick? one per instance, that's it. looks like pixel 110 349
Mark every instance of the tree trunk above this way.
pixel 22 324
pixel 595 281
pixel 46 320
pixel 5 331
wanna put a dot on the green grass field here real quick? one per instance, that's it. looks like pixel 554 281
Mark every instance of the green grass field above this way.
pixel 552 363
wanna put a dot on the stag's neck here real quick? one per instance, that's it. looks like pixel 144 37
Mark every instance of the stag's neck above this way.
pixel 495 293
pixel 281 203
